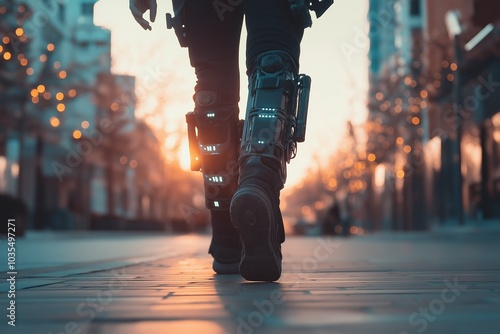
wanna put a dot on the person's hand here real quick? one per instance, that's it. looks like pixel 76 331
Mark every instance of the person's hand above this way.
pixel 139 7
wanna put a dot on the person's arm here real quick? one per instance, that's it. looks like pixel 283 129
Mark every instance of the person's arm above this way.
pixel 139 7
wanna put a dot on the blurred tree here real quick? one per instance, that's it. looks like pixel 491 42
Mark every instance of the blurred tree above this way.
pixel 14 74
pixel 114 122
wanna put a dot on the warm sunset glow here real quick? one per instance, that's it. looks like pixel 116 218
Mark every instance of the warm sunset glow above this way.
pixel 19 32
pixel 59 96
pixel 170 58
pixel 62 74
pixel 50 47
pixel 183 326
pixel 372 157
pixel 40 88
pixel 380 176
pixel 77 134
pixel 34 93
pixel 415 120
pixel 185 157
pixel 61 107
pixel 54 121
pixel 7 56
pixel 400 174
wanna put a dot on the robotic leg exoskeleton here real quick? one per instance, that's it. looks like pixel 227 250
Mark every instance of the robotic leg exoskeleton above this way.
pixel 275 122
pixel 276 112
pixel 214 133
pixel 214 138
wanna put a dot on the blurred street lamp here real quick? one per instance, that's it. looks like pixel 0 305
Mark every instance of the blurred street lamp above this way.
pixel 452 20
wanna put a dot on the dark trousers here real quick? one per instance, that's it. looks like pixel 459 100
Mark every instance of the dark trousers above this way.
pixel 214 28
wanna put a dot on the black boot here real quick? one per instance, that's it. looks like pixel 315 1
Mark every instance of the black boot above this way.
pixel 225 247
pixel 256 215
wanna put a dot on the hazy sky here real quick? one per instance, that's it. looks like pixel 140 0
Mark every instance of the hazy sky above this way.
pixel 339 80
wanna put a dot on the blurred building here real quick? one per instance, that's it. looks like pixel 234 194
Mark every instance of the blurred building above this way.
pixel 475 74
pixel 411 123
pixel 69 140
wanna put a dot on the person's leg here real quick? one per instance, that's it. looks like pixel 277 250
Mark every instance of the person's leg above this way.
pixel 213 44
pixel 271 26
pixel 273 49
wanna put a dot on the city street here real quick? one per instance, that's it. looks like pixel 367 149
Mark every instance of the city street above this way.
pixel 125 138
pixel 432 282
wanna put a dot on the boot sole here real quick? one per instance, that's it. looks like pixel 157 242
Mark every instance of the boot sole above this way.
pixel 226 268
pixel 252 216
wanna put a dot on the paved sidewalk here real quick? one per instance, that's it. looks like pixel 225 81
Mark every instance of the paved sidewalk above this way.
pixel 392 283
